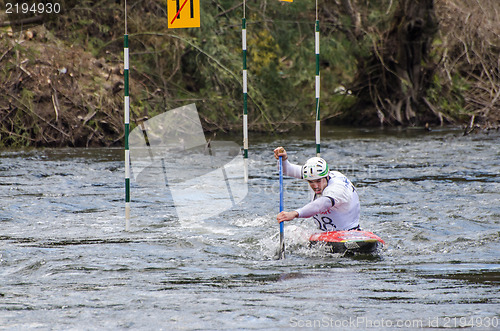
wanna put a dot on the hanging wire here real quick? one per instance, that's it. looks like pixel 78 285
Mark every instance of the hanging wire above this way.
pixel 125 16
pixel 316 10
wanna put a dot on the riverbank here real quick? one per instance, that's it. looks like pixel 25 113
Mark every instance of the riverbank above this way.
pixel 61 83
pixel 67 97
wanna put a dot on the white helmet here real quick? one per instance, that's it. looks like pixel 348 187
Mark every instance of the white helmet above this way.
pixel 315 168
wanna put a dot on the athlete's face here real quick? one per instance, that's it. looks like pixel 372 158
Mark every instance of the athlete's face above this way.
pixel 318 185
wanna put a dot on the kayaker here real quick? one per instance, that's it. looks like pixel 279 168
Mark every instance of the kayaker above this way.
pixel 335 203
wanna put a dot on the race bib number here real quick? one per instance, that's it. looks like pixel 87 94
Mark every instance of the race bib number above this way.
pixel 325 223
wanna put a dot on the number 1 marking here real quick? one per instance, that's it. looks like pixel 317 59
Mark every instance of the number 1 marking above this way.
pixel 179 11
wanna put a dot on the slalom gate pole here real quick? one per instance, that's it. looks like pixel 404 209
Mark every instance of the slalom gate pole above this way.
pixel 318 121
pixel 245 93
pixel 127 123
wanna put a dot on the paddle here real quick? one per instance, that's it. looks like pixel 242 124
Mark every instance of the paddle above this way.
pixel 282 230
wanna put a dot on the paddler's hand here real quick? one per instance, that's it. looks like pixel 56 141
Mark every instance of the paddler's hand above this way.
pixel 280 151
pixel 287 216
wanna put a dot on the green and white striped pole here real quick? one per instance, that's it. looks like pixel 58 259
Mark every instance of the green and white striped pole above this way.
pixel 127 124
pixel 245 93
pixel 318 149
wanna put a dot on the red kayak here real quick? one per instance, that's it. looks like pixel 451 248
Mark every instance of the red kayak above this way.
pixel 353 241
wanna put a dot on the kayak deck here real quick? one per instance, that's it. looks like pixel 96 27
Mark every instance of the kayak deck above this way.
pixel 353 241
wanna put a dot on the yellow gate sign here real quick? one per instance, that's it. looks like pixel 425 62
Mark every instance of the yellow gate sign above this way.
pixel 183 14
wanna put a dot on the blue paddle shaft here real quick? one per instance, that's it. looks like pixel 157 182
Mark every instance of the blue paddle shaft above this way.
pixel 281 184
pixel 282 229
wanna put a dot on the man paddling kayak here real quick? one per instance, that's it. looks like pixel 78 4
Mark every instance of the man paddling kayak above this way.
pixel 335 204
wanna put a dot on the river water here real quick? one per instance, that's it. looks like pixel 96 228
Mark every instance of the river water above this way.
pixel 66 261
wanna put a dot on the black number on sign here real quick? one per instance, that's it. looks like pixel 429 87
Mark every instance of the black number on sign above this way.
pixel 178 5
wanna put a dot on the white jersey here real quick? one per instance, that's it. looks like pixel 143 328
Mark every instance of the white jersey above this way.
pixel 342 210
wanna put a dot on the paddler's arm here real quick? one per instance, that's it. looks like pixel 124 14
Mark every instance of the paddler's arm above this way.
pixel 317 206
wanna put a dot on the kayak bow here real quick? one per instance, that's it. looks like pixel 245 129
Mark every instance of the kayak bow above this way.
pixel 352 241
